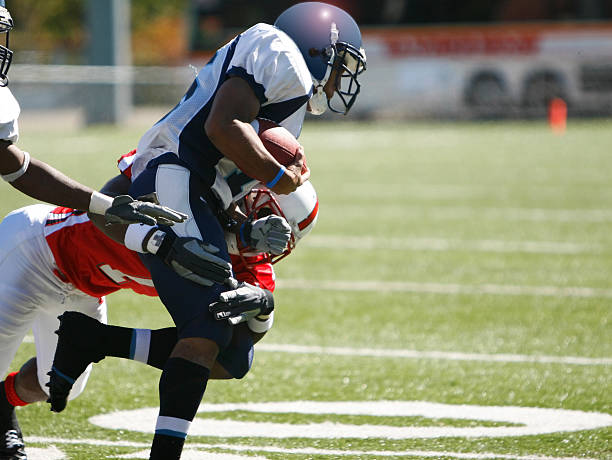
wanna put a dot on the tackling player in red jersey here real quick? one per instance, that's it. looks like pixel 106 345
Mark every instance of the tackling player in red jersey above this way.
pixel 56 259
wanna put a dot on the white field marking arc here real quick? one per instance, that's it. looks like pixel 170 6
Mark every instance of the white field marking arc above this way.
pixel 192 454
pixel 196 455
pixel 416 354
pixel 442 288
pixel 528 421
pixel 190 447
pixel 335 242
pixel 44 453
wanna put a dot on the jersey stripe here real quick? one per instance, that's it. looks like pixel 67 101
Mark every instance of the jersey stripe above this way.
pixel 306 222
pixel 57 222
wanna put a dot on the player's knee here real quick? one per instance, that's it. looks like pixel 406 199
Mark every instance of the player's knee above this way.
pixel 197 350
pixel 242 367
pixel 237 358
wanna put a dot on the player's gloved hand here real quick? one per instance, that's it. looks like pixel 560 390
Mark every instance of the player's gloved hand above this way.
pixel 268 234
pixel 191 258
pixel 242 304
pixel 127 210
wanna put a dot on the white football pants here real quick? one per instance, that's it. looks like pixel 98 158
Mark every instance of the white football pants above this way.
pixel 32 296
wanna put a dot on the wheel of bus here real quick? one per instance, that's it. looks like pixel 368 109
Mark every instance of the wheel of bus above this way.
pixel 486 95
pixel 539 89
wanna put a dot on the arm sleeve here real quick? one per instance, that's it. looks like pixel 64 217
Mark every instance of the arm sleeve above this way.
pixel 9 113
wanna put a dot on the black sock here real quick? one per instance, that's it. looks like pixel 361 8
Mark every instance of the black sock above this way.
pixel 117 340
pixel 162 344
pixel 166 447
pixel 181 388
pixel 152 347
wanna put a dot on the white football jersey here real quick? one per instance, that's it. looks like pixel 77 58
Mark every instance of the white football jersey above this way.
pixel 267 59
pixel 9 113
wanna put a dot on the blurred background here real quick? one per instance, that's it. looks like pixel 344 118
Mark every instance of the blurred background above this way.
pixel 101 60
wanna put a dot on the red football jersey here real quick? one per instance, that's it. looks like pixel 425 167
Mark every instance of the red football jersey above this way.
pixel 90 260
pixel 98 266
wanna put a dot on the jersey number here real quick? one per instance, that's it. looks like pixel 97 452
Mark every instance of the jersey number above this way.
pixel 119 277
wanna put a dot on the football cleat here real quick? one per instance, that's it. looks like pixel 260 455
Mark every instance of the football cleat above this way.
pixel 72 356
pixel 12 447
pixel 59 388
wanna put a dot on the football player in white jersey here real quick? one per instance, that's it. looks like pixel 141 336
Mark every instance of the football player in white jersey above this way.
pixel 204 155
pixel 41 181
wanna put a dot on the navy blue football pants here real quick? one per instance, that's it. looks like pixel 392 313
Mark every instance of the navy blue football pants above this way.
pixel 186 301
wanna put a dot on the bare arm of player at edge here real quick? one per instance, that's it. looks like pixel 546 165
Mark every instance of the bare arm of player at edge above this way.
pixel 41 181
pixel 45 183
pixel 228 127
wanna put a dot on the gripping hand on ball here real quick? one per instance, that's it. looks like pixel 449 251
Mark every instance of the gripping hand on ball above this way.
pixel 268 234
pixel 243 303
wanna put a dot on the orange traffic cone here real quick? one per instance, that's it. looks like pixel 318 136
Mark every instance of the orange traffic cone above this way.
pixel 557 115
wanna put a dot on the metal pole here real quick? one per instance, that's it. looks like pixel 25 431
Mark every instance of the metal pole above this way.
pixel 110 45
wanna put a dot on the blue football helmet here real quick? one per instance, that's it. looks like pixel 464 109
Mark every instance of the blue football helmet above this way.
pixel 330 40
pixel 6 55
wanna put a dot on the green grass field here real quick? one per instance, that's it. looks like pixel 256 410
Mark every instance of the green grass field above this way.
pixel 463 266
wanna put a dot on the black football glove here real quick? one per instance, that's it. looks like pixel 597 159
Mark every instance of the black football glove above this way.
pixel 195 260
pixel 242 304
pixel 127 210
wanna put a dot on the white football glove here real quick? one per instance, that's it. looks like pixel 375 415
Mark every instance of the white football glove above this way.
pixel 268 234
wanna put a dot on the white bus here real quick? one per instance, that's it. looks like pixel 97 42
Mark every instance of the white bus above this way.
pixel 487 70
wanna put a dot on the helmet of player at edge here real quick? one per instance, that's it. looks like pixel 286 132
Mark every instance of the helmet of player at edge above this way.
pixel 299 208
pixel 328 38
pixel 6 55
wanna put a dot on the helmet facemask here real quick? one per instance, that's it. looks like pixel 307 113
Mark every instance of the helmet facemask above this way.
pixel 300 209
pixel 6 55
pixel 344 64
pixel 348 64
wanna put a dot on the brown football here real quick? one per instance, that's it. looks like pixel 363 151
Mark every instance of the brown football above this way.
pixel 277 140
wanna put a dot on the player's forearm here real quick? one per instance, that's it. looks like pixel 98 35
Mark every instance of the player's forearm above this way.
pixel 118 185
pixel 239 142
pixel 116 232
pixel 45 183
pixel 228 128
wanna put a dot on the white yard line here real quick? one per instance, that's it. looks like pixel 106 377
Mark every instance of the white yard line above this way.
pixel 445 244
pixel 445 213
pixel 190 450
pixel 415 354
pixel 444 288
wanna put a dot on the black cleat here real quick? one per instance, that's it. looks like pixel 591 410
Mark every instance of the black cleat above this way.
pixel 12 446
pixel 76 336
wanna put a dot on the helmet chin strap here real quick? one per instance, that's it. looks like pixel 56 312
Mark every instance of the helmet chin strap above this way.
pixel 317 105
